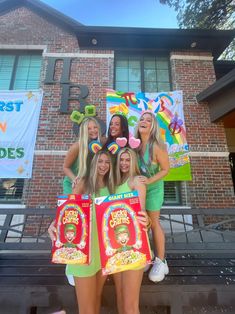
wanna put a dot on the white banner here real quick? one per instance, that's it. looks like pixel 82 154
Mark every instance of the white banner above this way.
pixel 19 116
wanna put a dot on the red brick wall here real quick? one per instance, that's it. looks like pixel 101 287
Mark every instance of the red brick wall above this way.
pixel 211 186
pixel 24 27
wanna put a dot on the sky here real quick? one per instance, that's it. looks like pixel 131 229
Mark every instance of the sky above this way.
pixel 126 13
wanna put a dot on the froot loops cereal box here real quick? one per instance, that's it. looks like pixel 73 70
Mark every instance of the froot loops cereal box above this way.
pixel 124 243
pixel 73 225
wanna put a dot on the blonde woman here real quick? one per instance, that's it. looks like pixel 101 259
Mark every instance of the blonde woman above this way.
pixel 127 283
pixel 78 157
pixel 88 279
pixel 154 165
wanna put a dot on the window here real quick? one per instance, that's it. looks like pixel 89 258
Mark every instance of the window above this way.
pixel 11 190
pixel 172 195
pixel 20 71
pixel 147 73
pixel 142 73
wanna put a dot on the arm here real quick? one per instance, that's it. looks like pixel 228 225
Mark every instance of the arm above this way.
pixel 70 158
pixel 161 157
pixel 79 187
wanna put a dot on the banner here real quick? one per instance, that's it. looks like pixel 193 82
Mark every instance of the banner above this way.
pixel 19 115
pixel 168 108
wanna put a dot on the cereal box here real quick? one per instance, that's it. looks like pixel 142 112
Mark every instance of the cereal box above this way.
pixel 124 243
pixel 73 225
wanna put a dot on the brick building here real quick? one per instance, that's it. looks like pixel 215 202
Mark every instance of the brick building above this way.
pixel 42 48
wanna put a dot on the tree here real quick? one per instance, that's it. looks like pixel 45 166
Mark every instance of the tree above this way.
pixel 207 14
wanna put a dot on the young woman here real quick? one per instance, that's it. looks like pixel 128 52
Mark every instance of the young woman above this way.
pixel 88 278
pixel 154 165
pixel 78 158
pixel 128 282
pixel 118 127
pixel 89 281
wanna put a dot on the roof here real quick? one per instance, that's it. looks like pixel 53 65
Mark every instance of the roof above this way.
pixel 40 8
pixel 154 38
pixel 219 86
pixel 121 38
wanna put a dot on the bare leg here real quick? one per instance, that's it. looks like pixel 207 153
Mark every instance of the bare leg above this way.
pixel 88 291
pixel 158 234
pixel 129 283
pixel 118 288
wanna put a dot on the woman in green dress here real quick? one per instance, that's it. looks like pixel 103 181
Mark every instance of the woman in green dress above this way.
pixel 154 165
pixel 78 157
pixel 128 282
pixel 88 279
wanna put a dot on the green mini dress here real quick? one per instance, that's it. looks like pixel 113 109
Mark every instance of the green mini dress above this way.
pixel 95 265
pixel 67 182
pixel 155 190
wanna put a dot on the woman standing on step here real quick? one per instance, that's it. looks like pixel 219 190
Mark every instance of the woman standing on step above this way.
pixel 127 283
pixel 154 165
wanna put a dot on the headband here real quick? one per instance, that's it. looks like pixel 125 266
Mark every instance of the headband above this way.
pixel 78 117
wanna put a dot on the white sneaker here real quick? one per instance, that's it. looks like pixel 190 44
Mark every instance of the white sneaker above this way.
pixel 159 270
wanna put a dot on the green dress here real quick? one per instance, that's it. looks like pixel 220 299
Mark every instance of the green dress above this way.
pixel 155 190
pixel 123 188
pixel 95 265
pixel 67 182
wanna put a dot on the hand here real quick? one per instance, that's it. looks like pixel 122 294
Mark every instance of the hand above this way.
pixel 143 179
pixel 52 231
pixel 144 219
pixel 75 181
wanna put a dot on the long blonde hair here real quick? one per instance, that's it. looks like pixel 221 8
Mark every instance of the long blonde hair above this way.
pixel 154 137
pixel 92 182
pixel 83 142
pixel 134 169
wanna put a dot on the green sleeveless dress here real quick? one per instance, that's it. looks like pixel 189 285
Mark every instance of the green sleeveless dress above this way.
pixel 95 265
pixel 67 182
pixel 155 190
pixel 123 188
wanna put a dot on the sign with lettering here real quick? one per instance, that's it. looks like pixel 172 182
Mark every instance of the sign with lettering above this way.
pixel 168 110
pixel 19 116
pixel 67 86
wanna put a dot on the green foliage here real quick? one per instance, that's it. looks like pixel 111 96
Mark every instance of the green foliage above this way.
pixel 206 14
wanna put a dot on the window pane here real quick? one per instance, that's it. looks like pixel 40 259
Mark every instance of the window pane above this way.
pixel 121 74
pixel 122 86
pixel 11 189
pixel 6 69
pixel 172 193
pixel 134 75
pixel 162 65
pixel 149 63
pixel 151 87
pixel 163 87
pixel 122 64
pixel 28 72
pixel 163 75
pixel 134 87
pixel 134 64
pixel 150 75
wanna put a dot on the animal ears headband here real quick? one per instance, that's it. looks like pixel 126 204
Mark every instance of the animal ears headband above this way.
pixel 77 116
pixel 95 146
pixel 114 147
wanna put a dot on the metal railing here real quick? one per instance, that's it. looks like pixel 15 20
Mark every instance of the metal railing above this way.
pixel 187 230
